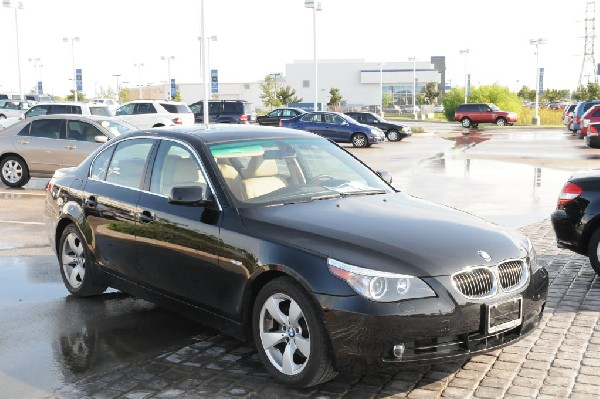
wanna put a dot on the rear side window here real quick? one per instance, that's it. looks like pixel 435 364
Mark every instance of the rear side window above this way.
pixel 127 164
pixel 596 113
pixel 176 108
pixel 215 107
pixel 64 109
pixel 232 108
pixel 46 128
pixel 102 111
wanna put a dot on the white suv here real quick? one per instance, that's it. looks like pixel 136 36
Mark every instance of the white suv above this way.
pixel 66 108
pixel 145 114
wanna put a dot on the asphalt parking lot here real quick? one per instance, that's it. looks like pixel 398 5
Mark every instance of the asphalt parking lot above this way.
pixel 56 346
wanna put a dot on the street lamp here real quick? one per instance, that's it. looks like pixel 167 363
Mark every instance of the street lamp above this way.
pixel 465 52
pixel 17 6
pixel 73 40
pixel 168 58
pixel 381 64
pixel 316 6
pixel 414 92
pixel 36 66
pixel 139 67
pixel 537 43
pixel 118 91
pixel 205 66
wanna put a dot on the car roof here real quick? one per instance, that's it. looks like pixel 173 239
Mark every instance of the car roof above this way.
pixel 219 133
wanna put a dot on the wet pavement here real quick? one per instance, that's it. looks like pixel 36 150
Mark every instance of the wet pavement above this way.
pixel 56 346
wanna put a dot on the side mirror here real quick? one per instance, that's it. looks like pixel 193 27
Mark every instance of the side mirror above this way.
pixel 187 195
pixel 100 139
pixel 385 175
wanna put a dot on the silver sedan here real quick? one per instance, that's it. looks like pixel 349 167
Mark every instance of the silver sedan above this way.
pixel 37 146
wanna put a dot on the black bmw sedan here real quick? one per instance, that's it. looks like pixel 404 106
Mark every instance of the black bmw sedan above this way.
pixel 283 237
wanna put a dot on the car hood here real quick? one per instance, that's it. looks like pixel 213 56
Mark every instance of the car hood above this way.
pixel 392 232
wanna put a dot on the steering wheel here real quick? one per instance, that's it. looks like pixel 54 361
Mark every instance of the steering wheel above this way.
pixel 319 178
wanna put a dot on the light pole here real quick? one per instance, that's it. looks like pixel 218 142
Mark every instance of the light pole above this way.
pixel 139 67
pixel 36 66
pixel 381 64
pixel 118 91
pixel 414 91
pixel 205 66
pixel 465 52
pixel 537 43
pixel 17 6
pixel 168 58
pixel 316 6
pixel 73 40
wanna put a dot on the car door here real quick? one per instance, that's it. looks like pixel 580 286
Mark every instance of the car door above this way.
pixel 112 192
pixel 272 118
pixel 40 145
pixel 336 128
pixel 79 142
pixel 215 111
pixel 178 245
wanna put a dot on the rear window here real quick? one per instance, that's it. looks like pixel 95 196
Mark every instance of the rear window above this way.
pixel 102 111
pixel 176 108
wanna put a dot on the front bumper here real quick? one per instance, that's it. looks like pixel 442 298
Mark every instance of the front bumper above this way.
pixel 363 333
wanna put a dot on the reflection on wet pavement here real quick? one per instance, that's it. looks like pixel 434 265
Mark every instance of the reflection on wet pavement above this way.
pixel 510 194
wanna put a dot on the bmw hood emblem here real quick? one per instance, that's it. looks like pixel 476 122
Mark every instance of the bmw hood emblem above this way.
pixel 484 255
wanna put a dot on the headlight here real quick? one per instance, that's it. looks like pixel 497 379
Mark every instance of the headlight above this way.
pixel 532 258
pixel 380 286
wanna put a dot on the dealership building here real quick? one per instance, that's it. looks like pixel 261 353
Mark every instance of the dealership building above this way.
pixel 359 82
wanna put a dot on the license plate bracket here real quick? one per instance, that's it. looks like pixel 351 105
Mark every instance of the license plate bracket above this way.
pixel 504 315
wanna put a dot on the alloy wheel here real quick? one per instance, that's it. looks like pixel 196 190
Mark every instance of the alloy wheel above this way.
pixel 12 171
pixel 73 260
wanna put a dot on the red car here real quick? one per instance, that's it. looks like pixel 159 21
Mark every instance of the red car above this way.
pixel 591 115
pixel 474 114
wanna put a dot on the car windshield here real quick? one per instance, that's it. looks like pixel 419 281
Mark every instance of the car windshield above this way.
pixel 494 107
pixel 117 127
pixel 379 118
pixel 286 171
pixel 350 119
pixel 100 111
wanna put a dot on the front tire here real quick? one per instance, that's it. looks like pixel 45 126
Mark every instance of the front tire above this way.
pixel 465 122
pixel 501 122
pixel 393 135
pixel 290 335
pixel 594 251
pixel 78 271
pixel 359 140
pixel 14 171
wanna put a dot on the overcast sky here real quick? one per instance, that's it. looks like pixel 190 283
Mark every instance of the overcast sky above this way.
pixel 259 37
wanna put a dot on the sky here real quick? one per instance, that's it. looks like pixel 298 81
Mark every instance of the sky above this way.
pixel 256 38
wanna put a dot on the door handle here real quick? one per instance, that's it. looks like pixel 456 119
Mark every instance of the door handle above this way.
pixel 146 217
pixel 70 147
pixel 90 202
pixel 23 142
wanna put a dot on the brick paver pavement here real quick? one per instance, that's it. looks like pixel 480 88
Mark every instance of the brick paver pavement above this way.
pixel 561 359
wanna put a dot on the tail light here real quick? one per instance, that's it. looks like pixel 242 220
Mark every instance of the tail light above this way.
pixel 569 192
pixel 178 121
pixel 592 130
pixel 244 118
pixel 281 123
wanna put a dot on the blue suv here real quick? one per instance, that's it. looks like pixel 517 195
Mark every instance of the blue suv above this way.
pixel 337 127
pixel 578 112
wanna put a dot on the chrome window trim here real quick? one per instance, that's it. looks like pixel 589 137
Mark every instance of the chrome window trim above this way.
pixel 191 149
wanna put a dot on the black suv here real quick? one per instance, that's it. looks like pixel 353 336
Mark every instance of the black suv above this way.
pixel 393 131
pixel 225 111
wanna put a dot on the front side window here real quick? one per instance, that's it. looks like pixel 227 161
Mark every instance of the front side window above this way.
pixel 126 109
pixel 82 131
pixel 145 108
pixel 316 118
pixel 37 110
pixel 127 164
pixel 276 113
pixel 46 128
pixel 175 166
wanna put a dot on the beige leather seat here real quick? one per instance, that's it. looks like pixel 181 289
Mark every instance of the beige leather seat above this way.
pixel 262 178
pixel 179 172
pixel 232 178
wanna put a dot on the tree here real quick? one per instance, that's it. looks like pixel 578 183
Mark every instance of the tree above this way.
pixel 108 93
pixel 286 95
pixel 527 94
pixel 591 92
pixel 177 96
pixel 269 92
pixel 124 95
pixel 335 97
pixel 430 93
pixel 71 97
pixel 555 95
pixel 388 99
pixel 499 95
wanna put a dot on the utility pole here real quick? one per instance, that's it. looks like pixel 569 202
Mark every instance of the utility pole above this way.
pixel 588 65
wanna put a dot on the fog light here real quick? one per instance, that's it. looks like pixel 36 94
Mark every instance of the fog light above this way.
pixel 399 350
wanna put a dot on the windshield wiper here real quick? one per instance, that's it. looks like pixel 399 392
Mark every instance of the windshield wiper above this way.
pixel 363 192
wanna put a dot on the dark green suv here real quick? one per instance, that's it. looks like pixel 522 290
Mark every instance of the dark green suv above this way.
pixel 225 111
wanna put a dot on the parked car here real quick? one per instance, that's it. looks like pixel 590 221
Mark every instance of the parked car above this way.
pixel 145 114
pixel 66 108
pixel 568 115
pixel 37 146
pixel 13 108
pixel 393 131
pixel 590 116
pixel 577 216
pixel 283 237
pixel 580 109
pixel 225 111
pixel 38 97
pixel 592 138
pixel 111 103
pixel 273 117
pixel 473 114
pixel 337 127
